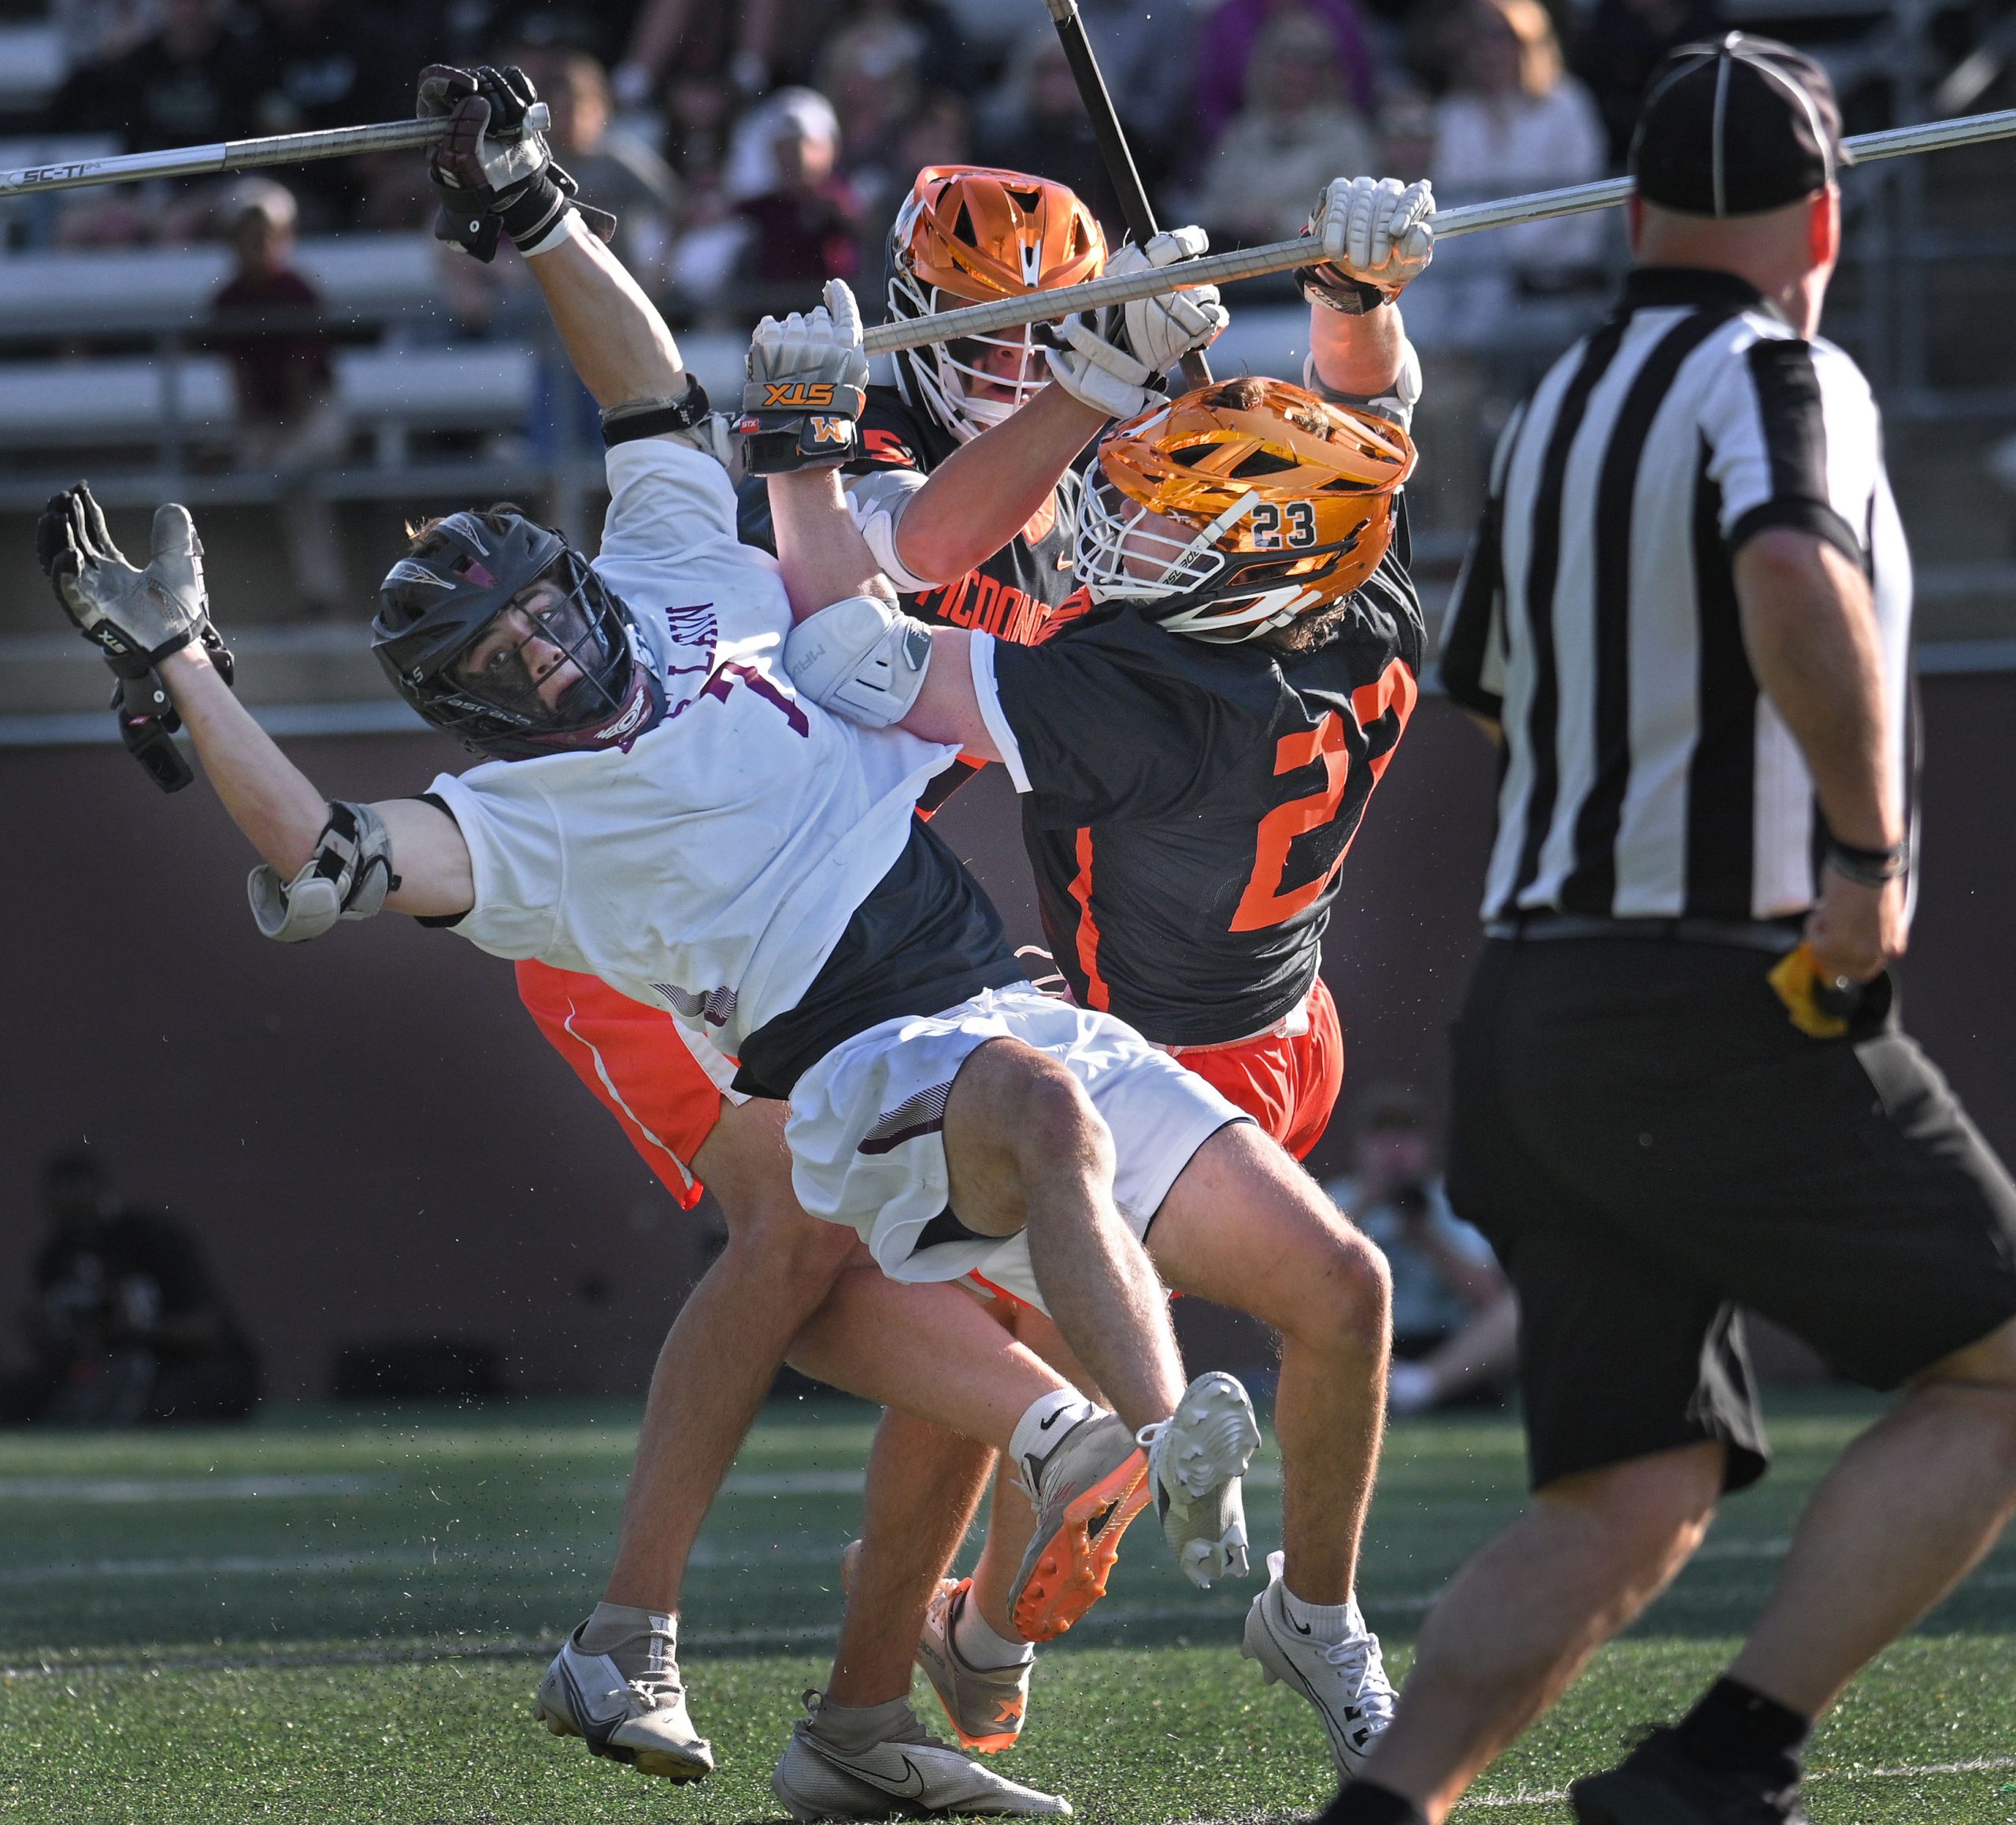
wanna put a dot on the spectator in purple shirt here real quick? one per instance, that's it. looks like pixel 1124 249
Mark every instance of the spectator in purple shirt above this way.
pixel 1225 43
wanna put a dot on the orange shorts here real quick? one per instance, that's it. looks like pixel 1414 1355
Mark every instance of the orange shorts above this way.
pixel 1289 1083
pixel 638 1060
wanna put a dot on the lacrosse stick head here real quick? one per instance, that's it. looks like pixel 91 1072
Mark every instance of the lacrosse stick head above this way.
pixel 1240 507
pixel 970 234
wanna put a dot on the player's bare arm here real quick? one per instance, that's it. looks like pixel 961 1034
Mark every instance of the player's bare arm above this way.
pixel 495 177
pixel 1376 237
pixel 1810 629
pixel 404 856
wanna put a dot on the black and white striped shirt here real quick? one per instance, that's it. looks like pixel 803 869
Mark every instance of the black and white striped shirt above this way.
pixel 1596 619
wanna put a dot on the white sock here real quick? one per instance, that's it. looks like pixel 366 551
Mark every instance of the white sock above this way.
pixel 1048 1420
pixel 1325 1622
pixel 978 1646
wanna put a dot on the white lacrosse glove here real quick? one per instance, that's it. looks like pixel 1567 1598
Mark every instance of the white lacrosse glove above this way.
pixel 1376 238
pixel 1115 366
pixel 808 381
pixel 1162 330
pixel 137 617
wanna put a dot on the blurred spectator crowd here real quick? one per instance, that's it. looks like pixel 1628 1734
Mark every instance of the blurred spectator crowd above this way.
pixel 752 148
pixel 747 144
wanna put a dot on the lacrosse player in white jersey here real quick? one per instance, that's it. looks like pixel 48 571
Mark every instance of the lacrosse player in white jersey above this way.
pixel 658 807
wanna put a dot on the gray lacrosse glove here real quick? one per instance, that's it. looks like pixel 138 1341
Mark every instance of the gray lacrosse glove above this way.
pixel 808 381
pixel 1375 236
pixel 136 617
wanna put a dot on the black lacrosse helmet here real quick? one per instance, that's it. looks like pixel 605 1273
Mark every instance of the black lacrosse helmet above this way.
pixel 435 608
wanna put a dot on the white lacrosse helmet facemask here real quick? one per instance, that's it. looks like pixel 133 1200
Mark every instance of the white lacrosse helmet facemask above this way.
pixel 953 386
pixel 970 234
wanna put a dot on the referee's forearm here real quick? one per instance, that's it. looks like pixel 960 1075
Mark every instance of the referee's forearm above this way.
pixel 1810 629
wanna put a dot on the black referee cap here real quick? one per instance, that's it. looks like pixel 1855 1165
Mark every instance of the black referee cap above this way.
pixel 1736 127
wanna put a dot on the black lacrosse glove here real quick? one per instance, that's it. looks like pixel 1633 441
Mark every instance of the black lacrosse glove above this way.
pixel 493 170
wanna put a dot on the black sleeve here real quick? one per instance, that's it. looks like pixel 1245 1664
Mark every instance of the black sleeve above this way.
pixel 891 436
pixel 1109 726
pixel 1475 608
pixel 1471 663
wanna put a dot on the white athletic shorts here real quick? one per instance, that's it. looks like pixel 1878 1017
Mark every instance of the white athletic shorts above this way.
pixel 867 1122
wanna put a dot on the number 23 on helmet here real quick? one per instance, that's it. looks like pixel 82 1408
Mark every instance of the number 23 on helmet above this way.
pixel 1240 507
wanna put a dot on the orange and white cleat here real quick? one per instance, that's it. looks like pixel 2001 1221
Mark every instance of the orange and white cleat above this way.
pixel 1087 1488
pixel 985 1706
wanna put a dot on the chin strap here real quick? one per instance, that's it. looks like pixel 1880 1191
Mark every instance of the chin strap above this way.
pixel 347 877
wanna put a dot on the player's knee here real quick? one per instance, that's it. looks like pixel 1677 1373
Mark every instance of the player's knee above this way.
pixel 1332 1291
pixel 1045 1118
pixel 799 1251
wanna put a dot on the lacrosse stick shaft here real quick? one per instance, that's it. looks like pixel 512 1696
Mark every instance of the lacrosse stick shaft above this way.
pixel 225 155
pixel 1114 152
pixel 1280 256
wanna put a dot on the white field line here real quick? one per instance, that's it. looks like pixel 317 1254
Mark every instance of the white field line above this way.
pixel 181 1489
pixel 1907 1771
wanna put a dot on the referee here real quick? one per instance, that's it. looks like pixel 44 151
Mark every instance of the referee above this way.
pixel 1681 1086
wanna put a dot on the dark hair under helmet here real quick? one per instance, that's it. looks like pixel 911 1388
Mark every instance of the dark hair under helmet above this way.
pixel 432 607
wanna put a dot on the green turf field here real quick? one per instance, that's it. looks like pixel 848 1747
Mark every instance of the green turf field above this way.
pixel 331 1617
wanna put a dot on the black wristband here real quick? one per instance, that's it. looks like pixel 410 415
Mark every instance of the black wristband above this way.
pixel 1865 867
pixel 1326 285
pixel 531 214
pixel 621 425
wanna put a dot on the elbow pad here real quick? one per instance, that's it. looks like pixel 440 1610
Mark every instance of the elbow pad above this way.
pixel 861 659
pixel 347 877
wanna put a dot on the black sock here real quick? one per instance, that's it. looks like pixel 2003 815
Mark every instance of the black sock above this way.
pixel 1735 1727
pixel 1366 1803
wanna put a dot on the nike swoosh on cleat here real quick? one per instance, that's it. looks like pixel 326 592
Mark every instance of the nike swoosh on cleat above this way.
pixel 912 1789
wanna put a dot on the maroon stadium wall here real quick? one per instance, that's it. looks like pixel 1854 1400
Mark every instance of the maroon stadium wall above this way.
pixel 372 1141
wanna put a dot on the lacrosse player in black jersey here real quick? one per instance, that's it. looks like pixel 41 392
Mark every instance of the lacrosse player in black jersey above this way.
pixel 1194 754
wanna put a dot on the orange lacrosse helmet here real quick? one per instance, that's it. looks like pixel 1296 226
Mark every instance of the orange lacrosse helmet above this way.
pixel 967 234
pixel 1240 507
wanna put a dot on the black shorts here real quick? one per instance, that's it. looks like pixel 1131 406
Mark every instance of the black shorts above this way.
pixel 1650 1144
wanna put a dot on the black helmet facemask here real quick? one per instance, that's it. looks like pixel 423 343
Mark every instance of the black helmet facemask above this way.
pixel 470 632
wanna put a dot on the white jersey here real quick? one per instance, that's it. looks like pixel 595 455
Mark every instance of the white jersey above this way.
pixel 712 867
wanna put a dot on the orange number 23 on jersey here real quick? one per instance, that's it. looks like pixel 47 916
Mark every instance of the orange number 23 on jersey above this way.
pixel 1263 903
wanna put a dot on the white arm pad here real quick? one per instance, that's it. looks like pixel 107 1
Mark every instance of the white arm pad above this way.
pixel 861 659
pixel 877 501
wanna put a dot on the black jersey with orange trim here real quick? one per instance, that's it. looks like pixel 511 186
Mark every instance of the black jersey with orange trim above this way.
pixel 1188 807
pixel 1014 595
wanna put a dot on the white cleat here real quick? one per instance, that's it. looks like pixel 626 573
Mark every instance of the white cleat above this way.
pixel 636 1715
pixel 1195 1459
pixel 1346 1680
pixel 904 1773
